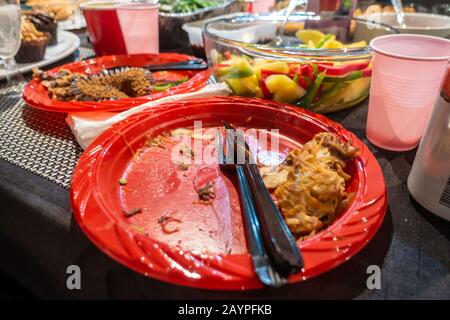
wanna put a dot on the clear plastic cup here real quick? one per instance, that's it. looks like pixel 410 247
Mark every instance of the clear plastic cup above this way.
pixel 139 25
pixel 407 74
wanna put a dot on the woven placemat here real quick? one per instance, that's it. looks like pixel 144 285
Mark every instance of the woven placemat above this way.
pixel 38 141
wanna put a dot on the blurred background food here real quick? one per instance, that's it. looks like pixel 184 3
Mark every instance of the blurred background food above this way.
pixel 33 43
pixel 173 17
pixel 60 10
pixel 184 6
pixel 43 22
pixel 417 19
pixel 377 8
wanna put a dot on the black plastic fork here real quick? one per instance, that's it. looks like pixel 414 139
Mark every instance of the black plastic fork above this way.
pixel 195 64
pixel 278 240
pixel 261 261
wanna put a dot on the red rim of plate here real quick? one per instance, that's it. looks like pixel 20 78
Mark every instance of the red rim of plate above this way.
pixel 351 231
pixel 36 95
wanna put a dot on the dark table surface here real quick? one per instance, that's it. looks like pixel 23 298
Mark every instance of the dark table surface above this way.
pixel 39 239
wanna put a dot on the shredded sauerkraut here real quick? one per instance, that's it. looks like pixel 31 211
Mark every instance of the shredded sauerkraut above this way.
pixel 309 186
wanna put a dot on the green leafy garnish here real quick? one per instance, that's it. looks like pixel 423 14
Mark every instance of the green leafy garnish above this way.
pixel 168 84
pixel 184 6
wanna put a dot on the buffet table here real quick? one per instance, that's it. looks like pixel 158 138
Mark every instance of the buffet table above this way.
pixel 39 238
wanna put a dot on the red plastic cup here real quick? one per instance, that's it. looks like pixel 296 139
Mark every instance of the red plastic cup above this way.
pixel 115 27
pixel 406 77
pixel 329 5
pixel 103 27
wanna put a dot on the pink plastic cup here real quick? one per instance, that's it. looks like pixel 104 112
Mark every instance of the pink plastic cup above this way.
pixel 407 74
pixel 261 6
pixel 139 25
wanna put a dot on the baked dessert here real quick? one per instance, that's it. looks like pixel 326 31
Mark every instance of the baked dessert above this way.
pixel 33 43
pixel 45 23
pixel 60 9
pixel 123 83
pixel 108 85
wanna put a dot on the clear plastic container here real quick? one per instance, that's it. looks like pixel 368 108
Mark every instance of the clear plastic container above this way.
pixel 170 24
pixel 341 76
pixel 194 32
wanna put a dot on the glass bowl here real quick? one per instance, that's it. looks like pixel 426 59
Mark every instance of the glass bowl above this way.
pixel 328 74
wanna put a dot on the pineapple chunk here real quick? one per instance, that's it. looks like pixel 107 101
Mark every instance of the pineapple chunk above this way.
pixel 251 84
pixel 356 44
pixel 308 35
pixel 356 88
pixel 237 87
pixel 247 87
pixel 284 89
pixel 276 66
pixel 259 94
pixel 333 44
pixel 311 45
pixel 237 69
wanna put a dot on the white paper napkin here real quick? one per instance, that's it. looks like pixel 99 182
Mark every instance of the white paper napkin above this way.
pixel 86 126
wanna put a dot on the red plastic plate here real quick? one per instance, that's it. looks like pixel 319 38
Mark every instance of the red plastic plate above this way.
pixel 36 95
pixel 209 249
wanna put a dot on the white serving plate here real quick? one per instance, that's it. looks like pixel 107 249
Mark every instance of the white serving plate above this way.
pixel 68 42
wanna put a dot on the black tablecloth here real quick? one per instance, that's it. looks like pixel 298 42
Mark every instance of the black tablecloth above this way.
pixel 39 239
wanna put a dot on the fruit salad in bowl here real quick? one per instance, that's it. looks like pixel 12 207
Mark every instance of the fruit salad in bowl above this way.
pixel 318 66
